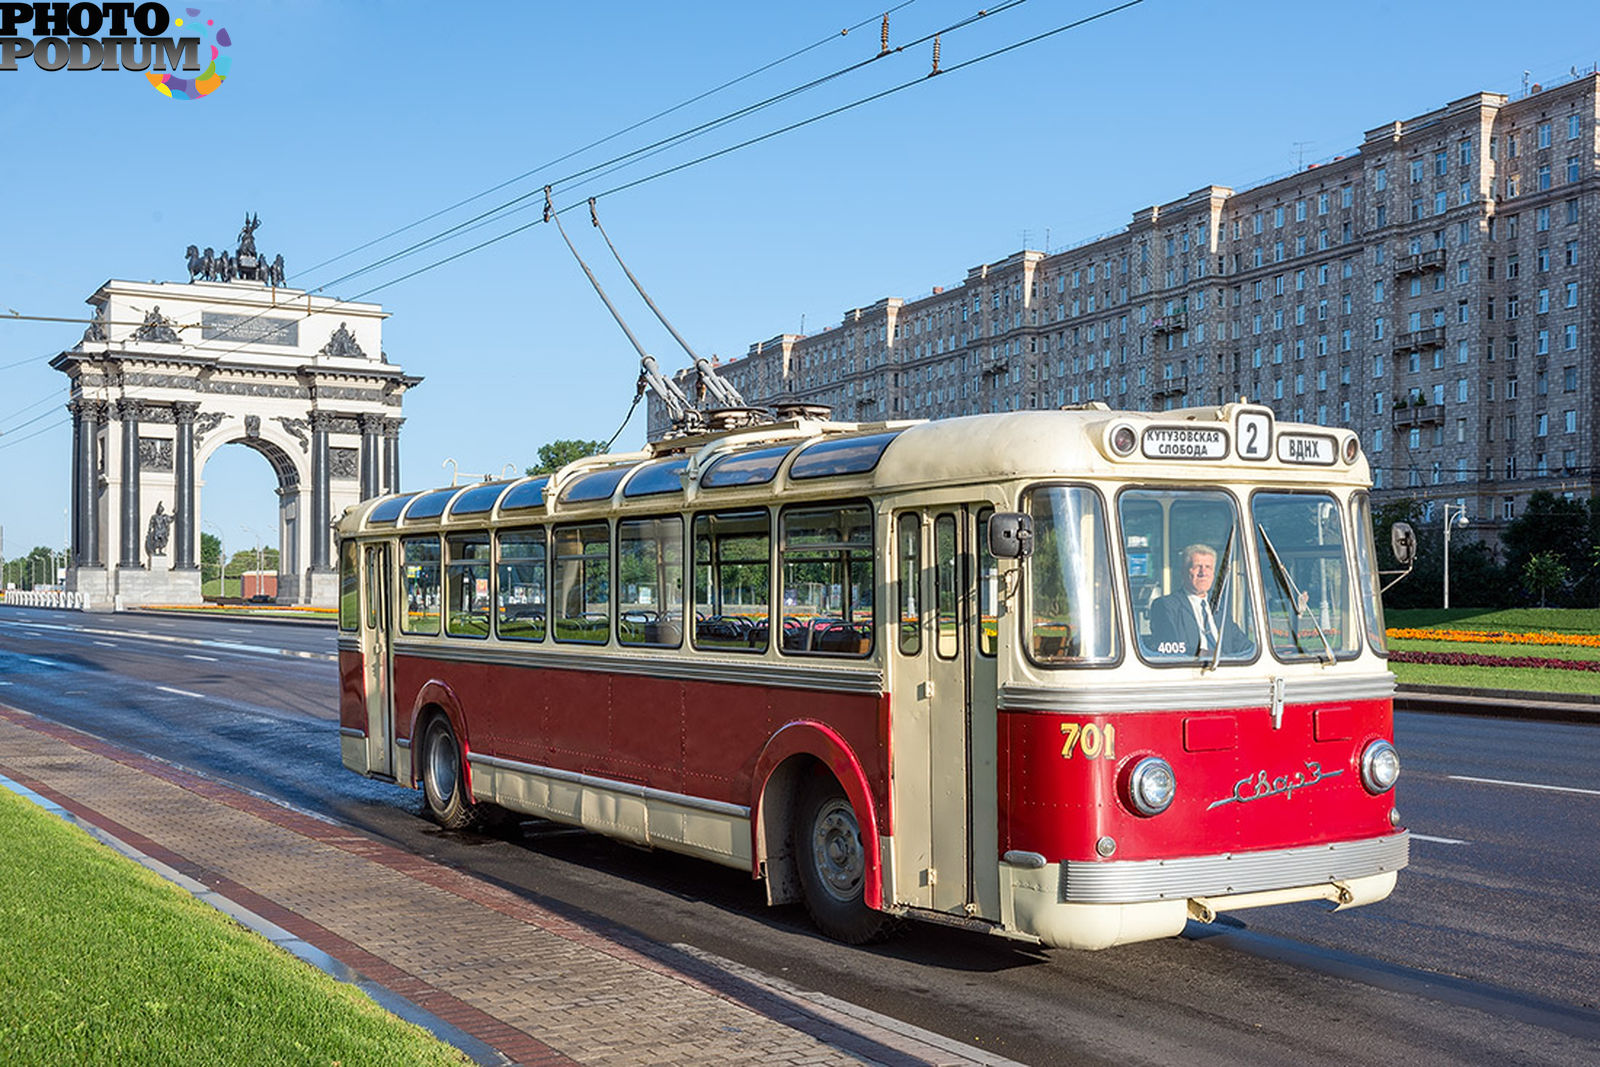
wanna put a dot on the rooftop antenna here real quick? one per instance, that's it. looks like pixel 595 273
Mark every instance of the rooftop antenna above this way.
pixel 1525 76
pixel 1300 153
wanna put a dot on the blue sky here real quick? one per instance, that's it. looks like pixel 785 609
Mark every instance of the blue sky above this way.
pixel 341 122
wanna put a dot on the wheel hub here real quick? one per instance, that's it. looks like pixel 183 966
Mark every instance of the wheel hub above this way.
pixel 836 847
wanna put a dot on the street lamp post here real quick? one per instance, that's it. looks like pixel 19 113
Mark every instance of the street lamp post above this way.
pixel 1460 519
pixel 251 530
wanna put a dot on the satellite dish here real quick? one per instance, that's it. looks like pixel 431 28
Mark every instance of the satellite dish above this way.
pixel 1403 543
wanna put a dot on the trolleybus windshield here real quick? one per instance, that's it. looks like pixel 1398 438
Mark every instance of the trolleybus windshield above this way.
pixel 1071 612
pixel 1308 587
pixel 1188 575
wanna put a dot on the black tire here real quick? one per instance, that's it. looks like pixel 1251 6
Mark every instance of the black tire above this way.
pixel 832 859
pixel 443 785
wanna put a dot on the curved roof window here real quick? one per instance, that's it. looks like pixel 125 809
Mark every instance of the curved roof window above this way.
pixel 430 505
pixel 757 467
pixel 657 478
pixel 525 495
pixel 841 455
pixel 478 499
pixel 597 485
pixel 389 510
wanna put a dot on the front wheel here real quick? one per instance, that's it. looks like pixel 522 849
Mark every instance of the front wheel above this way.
pixel 442 781
pixel 833 865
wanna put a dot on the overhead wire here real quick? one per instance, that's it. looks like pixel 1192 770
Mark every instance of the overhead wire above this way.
pixel 612 136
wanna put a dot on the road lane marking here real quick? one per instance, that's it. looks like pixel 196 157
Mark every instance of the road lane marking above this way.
pixel 293 653
pixel 106 644
pixel 208 659
pixel 179 692
pixel 1437 840
pixel 45 662
pixel 1526 785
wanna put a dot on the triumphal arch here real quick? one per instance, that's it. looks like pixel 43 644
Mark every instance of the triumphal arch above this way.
pixel 169 372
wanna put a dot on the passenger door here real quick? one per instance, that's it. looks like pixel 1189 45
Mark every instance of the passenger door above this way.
pixel 948 659
pixel 377 657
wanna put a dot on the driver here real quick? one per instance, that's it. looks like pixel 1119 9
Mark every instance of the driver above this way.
pixel 1182 623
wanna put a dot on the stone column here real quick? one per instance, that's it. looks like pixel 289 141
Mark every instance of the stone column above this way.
pixel 183 414
pixel 321 501
pixel 391 455
pixel 97 416
pixel 129 412
pixel 371 461
pixel 78 435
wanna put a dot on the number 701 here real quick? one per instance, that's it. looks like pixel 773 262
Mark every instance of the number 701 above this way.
pixel 1093 740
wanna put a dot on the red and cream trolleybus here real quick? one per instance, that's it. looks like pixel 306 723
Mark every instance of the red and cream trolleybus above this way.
pixel 1071 676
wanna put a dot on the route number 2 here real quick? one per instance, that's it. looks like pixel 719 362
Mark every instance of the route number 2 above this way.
pixel 1093 740
pixel 1254 433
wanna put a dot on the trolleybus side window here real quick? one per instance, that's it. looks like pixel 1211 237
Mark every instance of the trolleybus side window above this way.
pixel 1367 566
pixel 349 585
pixel 1188 573
pixel 733 581
pixel 1305 574
pixel 583 583
pixel 421 556
pixel 988 589
pixel 908 553
pixel 466 585
pixel 827 580
pixel 520 587
pixel 650 582
pixel 1071 611
pixel 946 588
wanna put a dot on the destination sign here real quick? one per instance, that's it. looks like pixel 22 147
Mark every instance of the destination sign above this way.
pixel 249 329
pixel 1313 449
pixel 1197 442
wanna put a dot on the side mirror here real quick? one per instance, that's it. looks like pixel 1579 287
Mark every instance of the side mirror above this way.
pixel 1010 535
pixel 1403 543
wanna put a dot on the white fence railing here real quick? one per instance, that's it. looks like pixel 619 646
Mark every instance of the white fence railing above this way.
pixel 47 598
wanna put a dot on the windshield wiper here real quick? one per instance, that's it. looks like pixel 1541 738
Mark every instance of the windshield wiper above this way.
pixel 1286 583
pixel 1219 591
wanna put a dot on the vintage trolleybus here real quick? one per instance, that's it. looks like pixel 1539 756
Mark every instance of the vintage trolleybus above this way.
pixel 1071 676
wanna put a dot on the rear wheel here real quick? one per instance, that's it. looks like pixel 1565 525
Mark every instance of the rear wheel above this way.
pixel 833 865
pixel 442 781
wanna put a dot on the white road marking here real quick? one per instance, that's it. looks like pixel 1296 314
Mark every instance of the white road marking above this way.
pixel 45 662
pixel 1437 840
pixel 179 692
pixel 1526 785
pixel 208 659
pixel 107 644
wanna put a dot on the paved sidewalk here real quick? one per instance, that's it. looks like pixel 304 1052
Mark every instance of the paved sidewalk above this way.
pixel 507 980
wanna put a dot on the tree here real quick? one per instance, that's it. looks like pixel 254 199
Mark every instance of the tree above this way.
pixel 557 454
pixel 1543 573
pixel 1548 525
pixel 37 568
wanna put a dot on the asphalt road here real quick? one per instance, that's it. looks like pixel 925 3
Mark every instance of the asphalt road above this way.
pixel 1489 951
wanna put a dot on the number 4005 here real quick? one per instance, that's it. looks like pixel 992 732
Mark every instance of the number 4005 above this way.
pixel 1092 739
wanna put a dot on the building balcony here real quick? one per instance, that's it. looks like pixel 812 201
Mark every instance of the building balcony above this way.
pixel 1418 415
pixel 996 365
pixel 1170 387
pixel 1419 340
pixel 1421 263
pixel 1174 323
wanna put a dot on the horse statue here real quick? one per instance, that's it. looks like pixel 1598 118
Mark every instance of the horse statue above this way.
pixel 208 260
pixel 196 264
pixel 277 270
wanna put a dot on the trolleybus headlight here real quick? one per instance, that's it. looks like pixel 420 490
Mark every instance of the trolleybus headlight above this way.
pixel 1380 766
pixel 1123 439
pixel 1151 786
pixel 1351 447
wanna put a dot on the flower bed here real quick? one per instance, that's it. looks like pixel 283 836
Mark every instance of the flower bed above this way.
pixel 1476 659
pixel 1498 637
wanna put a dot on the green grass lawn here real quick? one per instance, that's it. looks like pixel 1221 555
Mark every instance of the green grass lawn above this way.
pixel 1515 620
pixel 102 961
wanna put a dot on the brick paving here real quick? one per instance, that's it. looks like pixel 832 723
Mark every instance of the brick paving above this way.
pixel 535 986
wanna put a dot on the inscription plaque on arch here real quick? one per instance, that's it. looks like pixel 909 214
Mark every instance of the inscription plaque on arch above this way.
pixel 250 329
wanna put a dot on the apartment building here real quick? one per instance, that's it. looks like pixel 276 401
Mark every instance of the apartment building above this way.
pixel 1434 289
